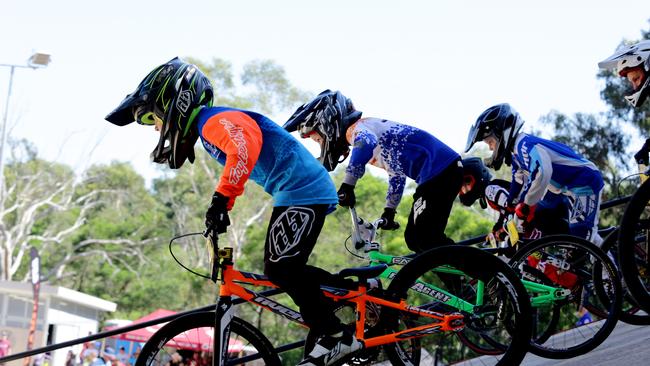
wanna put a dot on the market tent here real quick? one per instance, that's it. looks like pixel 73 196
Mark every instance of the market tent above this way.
pixel 143 334
pixel 195 340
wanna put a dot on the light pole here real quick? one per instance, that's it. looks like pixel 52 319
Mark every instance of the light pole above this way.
pixel 36 61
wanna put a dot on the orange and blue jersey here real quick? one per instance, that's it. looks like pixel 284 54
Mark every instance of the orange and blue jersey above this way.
pixel 251 146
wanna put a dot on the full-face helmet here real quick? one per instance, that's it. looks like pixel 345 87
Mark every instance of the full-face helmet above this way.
pixel 627 59
pixel 329 115
pixel 172 93
pixel 476 178
pixel 503 123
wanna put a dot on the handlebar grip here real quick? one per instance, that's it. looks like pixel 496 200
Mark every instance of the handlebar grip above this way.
pixel 212 235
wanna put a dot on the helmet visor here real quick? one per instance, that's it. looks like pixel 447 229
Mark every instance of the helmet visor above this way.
pixel 471 137
pixel 478 132
pixel 123 114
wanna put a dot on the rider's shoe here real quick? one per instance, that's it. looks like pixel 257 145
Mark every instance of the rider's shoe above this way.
pixel 332 348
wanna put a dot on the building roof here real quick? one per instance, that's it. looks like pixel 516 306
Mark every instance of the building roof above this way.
pixel 58 292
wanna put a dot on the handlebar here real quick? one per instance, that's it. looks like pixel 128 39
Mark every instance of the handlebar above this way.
pixel 213 241
pixel 369 228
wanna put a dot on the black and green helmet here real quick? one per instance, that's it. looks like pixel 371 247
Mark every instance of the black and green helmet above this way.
pixel 174 93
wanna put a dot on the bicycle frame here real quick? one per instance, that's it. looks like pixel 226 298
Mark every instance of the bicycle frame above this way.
pixel 544 295
pixel 231 285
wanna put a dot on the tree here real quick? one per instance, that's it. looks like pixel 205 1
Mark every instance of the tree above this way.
pixel 263 86
pixel 595 137
pixel 47 207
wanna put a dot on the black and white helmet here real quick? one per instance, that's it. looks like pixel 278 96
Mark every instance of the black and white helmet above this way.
pixel 329 115
pixel 626 58
pixel 502 122
pixel 476 178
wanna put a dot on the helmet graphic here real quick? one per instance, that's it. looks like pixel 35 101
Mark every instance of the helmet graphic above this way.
pixel 475 178
pixel 502 122
pixel 628 58
pixel 172 93
pixel 328 115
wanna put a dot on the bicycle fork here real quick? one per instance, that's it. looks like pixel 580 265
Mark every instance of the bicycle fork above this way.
pixel 225 312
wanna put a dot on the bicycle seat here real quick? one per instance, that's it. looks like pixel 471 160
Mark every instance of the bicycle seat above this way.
pixel 363 273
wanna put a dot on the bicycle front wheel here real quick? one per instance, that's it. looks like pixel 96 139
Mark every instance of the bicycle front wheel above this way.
pixel 587 287
pixel 476 284
pixel 190 338
pixel 633 254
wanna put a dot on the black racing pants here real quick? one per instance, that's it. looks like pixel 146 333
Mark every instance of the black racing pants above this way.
pixel 290 239
pixel 432 202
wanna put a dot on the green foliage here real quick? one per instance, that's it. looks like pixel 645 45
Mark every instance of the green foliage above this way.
pixel 594 138
pixel 466 223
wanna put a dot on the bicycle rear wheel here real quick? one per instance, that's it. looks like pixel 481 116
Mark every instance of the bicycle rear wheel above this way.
pixel 499 317
pixel 590 286
pixel 191 336
pixel 633 252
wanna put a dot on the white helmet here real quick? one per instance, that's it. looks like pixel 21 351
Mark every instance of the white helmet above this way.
pixel 628 57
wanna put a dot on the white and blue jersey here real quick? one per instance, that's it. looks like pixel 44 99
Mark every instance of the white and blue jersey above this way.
pixel 403 151
pixel 540 165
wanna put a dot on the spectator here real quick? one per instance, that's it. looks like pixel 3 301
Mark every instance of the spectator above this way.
pixel 177 360
pixel 122 357
pixel 5 344
pixel 70 359
pixel 90 353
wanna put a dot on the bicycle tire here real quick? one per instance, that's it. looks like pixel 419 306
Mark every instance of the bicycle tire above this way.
pixel 247 340
pixel 630 310
pixel 511 307
pixel 583 259
pixel 638 284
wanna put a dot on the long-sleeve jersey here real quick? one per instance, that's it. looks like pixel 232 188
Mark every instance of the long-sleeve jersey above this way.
pixel 250 145
pixel 403 151
pixel 539 165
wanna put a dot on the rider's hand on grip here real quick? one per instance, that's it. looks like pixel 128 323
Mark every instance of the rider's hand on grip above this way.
pixel 388 222
pixel 525 212
pixel 496 236
pixel 346 195
pixel 216 218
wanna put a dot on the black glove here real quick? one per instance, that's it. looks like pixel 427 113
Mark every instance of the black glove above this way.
pixel 217 215
pixel 346 195
pixel 641 156
pixel 389 219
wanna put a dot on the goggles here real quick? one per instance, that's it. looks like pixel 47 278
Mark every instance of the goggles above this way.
pixel 144 115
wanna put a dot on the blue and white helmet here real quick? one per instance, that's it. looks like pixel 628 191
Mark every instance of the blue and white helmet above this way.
pixel 626 58
pixel 504 123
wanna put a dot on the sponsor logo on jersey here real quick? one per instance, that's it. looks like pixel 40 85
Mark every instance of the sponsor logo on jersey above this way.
pixel 236 134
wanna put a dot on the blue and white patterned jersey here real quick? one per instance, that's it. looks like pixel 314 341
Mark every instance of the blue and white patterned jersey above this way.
pixel 403 151
pixel 539 165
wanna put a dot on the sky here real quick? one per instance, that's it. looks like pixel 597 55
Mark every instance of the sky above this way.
pixel 432 64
